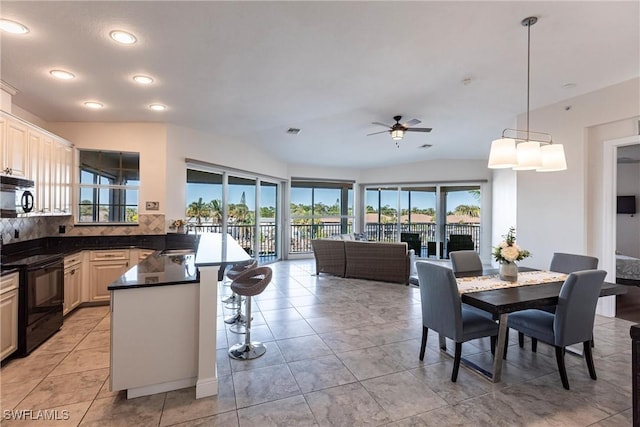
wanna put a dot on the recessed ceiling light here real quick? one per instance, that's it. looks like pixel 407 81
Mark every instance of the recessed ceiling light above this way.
pixel 158 107
pixel 123 37
pixel 143 80
pixel 13 27
pixel 62 75
pixel 93 105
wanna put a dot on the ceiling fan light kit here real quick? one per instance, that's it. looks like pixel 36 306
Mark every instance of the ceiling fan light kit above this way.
pixel 398 130
pixel 525 149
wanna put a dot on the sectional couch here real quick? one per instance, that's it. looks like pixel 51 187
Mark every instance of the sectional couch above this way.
pixel 386 262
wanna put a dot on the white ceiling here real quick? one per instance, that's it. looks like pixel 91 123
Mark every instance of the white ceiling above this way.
pixel 250 70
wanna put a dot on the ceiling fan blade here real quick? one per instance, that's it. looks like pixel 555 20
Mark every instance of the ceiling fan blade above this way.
pixel 375 133
pixel 412 122
pixel 381 124
pixel 418 130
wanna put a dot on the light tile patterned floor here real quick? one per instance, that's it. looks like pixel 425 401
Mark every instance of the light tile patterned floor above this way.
pixel 341 352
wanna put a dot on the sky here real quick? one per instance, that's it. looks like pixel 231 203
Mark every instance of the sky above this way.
pixel 421 200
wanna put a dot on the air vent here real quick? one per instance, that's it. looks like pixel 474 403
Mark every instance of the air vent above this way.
pixel 425 146
pixel 293 131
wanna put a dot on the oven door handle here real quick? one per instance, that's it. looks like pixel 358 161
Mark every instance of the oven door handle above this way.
pixel 53 263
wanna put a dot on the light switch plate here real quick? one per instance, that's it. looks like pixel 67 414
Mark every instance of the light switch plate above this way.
pixel 153 206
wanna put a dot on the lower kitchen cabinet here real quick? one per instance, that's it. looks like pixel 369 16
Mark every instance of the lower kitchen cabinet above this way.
pixel 72 283
pixel 8 314
pixel 104 267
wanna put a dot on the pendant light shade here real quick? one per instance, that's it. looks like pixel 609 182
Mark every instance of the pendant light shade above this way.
pixel 552 158
pixel 503 154
pixel 526 153
pixel 529 157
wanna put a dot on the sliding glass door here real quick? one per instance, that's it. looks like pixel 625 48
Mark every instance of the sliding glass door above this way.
pixel 246 208
pixel 319 210
pixel 428 216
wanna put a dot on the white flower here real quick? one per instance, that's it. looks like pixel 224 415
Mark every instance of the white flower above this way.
pixel 504 244
pixel 510 253
pixel 517 247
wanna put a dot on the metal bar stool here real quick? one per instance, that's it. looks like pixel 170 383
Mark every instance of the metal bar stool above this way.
pixel 235 300
pixel 248 284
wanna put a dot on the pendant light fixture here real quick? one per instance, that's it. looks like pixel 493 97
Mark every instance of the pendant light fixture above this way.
pixel 525 149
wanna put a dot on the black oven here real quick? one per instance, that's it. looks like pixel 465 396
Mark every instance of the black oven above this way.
pixel 40 302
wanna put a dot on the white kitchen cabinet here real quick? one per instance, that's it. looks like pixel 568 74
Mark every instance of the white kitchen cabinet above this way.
pixel 105 266
pixel 8 314
pixel 31 152
pixel 61 181
pixel 72 282
pixel 138 255
pixel 14 148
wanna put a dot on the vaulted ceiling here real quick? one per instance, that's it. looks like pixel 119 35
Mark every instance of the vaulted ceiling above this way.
pixel 251 70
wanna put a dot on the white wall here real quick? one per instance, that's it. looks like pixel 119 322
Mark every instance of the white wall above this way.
pixel 183 143
pixel 148 139
pixel 554 208
pixel 428 171
pixel 628 226
pixel 504 205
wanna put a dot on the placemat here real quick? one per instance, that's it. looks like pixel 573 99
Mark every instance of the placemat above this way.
pixel 487 283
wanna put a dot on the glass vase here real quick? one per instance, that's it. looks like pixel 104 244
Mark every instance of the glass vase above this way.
pixel 508 271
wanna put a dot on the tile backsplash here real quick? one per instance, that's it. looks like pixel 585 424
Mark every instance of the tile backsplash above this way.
pixel 46 226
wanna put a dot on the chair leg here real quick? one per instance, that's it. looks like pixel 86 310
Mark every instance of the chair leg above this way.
pixel 534 344
pixel 443 342
pixel 561 368
pixel 521 339
pixel 493 345
pixel 588 356
pixel 423 347
pixel 456 362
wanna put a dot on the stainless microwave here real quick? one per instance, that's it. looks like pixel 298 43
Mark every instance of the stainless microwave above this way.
pixel 16 196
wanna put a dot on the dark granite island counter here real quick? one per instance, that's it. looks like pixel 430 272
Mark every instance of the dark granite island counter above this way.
pixel 163 332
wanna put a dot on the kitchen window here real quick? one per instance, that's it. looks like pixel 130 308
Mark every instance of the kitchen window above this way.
pixel 109 185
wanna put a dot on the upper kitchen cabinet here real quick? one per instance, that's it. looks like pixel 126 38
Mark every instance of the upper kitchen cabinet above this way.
pixel 14 147
pixel 33 153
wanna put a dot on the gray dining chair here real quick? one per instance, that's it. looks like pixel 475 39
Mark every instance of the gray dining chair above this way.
pixel 468 262
pixel 443 313
pixel 465 261
pixel 572 322
pixel 567 264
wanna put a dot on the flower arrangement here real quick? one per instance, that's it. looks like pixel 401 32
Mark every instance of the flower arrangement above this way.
pixel 508 250
pixel 177 223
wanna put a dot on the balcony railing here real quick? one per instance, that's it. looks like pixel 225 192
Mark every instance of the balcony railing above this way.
pixel 302 234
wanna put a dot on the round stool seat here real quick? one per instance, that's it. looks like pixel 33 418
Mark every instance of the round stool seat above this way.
pixel 236 270
pixel 252 282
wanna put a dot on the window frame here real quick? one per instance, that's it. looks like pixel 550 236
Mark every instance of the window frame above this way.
pixel 117 193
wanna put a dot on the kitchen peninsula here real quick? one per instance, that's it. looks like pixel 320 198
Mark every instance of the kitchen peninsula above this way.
pixel 163 327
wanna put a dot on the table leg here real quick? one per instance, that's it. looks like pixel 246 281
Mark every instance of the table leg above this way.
pixel 500 343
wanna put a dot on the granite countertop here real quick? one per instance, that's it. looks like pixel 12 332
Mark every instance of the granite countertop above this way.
pixel 159 270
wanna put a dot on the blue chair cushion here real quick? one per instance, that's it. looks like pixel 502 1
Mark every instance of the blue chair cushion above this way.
pixel 533 323
pixel 476 326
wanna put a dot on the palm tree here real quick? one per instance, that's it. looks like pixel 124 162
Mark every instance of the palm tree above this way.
pixel 198 210
pixel 470 210
pixel 215 207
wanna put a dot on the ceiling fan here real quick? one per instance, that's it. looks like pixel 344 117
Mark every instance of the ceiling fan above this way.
pixel 398 129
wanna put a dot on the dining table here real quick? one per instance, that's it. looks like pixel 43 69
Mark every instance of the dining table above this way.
pixel 526 294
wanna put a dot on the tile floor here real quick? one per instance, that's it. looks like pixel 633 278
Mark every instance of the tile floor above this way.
pixel 340 352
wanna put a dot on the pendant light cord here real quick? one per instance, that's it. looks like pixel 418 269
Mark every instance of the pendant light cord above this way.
pixel 528 72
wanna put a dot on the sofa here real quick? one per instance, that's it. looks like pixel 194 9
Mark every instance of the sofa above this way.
pixel 386 262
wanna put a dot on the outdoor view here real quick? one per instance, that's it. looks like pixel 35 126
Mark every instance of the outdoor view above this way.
pixel 321 210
